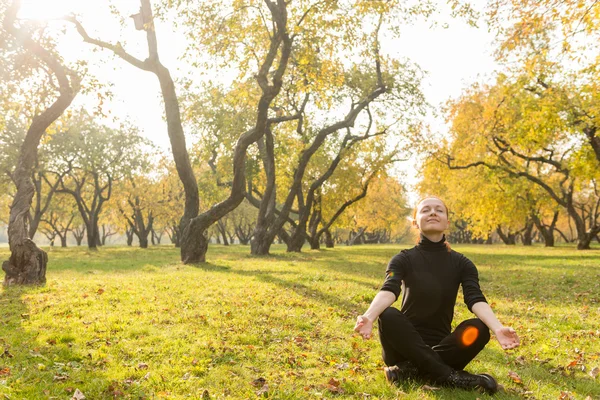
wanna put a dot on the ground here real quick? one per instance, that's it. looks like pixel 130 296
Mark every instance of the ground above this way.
pixel 133 323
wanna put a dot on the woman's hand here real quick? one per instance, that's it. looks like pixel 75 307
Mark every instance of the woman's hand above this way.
pixel 364 326
pixel 507 337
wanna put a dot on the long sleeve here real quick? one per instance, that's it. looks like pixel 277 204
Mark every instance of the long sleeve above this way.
pixel 470 283
pixel 394 274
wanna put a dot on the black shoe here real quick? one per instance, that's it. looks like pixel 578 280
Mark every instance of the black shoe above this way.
pixel 465 380
pixel 403 371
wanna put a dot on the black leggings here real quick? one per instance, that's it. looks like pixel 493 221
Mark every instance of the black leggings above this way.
pixel 401 342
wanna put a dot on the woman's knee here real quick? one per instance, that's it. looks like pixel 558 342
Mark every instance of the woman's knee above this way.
pixel 475 331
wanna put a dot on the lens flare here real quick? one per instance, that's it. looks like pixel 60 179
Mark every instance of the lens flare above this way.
pixel 469 336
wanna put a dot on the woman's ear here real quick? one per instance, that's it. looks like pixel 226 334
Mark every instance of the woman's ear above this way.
pixel 414 224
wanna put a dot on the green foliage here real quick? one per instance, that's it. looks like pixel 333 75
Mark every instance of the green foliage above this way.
pixel 125 322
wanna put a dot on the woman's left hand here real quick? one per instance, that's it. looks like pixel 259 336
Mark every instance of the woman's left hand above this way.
pixel 507 337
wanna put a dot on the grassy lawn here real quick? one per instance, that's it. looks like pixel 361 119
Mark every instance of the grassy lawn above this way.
pixel 132 323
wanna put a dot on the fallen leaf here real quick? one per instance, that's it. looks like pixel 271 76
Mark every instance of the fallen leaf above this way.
pixel 572 363
pixel 595 372
pixel 5 371
pixel 61 377
pixel 186 376
pixel 565 396
pixel 259 382
pixel 334 382
pixel 100 291
pixel 142 366
pixel 335 389
pixel 427 387
pixel 515 377
pixel 520 360
pixel 342 366
pixel 205 395
pixel 78 395
pixel 263 391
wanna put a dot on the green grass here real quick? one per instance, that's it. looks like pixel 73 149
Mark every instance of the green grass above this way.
pixel 131 323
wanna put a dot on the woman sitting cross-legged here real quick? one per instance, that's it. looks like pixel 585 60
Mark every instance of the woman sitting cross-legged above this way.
pixel 417 340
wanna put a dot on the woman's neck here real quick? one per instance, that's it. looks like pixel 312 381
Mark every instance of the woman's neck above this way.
pixel 433 236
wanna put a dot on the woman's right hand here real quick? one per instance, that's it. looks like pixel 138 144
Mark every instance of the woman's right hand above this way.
pixel 364 326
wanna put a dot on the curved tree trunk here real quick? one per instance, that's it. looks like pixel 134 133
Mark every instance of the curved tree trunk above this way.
pixel 27 262
pixel 508 238
pixel 546 231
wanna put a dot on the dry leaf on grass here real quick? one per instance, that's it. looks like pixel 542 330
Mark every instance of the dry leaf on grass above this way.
pixel 565 396
pixel 427 387
pixel 334 386
pixel 515 377
pixel 78 395
pixel 259 382
pixel 342 366
pixel 595 372
pixel 263 391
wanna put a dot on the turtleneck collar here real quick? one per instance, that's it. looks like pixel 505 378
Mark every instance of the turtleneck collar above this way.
pixel 428 245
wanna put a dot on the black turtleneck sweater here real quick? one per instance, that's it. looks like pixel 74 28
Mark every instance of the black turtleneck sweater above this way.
pixel 428 276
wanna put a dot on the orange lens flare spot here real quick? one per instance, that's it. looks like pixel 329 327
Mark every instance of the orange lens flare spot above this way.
pixel 469 336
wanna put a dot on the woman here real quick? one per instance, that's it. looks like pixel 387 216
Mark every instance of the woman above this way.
pixel 417 340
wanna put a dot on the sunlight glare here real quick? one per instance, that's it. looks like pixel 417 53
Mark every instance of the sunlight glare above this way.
pixel 46 9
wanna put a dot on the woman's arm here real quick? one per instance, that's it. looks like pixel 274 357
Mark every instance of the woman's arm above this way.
pixel 364 323
pixel 507 337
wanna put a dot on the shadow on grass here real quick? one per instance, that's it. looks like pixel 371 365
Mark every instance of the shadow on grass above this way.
pixel 268 276
pixel 32 369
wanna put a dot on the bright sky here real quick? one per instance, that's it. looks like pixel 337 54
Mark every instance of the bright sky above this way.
pixel 454 57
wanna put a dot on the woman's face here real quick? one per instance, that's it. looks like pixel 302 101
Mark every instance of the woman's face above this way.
pixel 431 216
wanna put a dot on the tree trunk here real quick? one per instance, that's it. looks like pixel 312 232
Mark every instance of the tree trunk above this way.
pixel 329 243
pixel 546 231
pixel 27 263
pixel 296 242
pixel 356 237
pixel 263 237
pixel 508 239
pixel 78 234
pixel 129 235
pixel 315 244
pixel 92 235
pixel 528 233
pixel 63 241
pixel 584 235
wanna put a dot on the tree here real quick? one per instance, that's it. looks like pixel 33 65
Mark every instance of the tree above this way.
pixel 27 263
pixel 140 203
pixel 545 36
pixel 524 135
pixel 307 136
pixel 61 218
pixel 193 226
pixel 383 214
pixel 94 156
